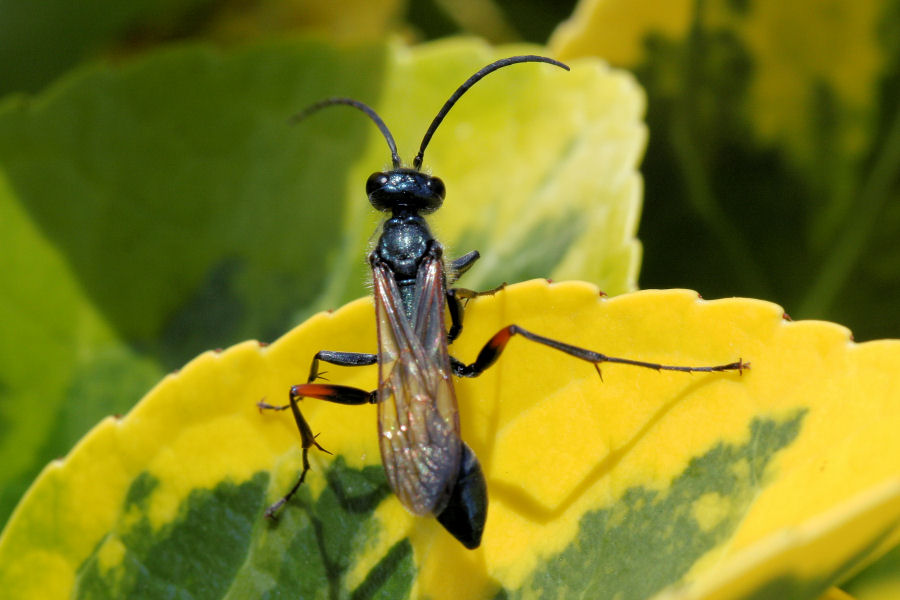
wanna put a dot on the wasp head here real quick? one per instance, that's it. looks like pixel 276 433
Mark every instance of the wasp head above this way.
pixel 405 189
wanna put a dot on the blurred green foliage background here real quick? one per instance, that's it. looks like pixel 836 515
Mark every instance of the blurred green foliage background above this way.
pixel 772 166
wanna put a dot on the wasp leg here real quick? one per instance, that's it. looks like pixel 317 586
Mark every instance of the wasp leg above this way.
pixel 340 394
pixel 331 393
pixel 341 359
pixel 495 346
pixel 457 268
pixel 455 303
pixel 461 265
pixel 466 511
pixel 456 297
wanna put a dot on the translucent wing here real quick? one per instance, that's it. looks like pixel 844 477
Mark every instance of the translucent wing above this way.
pixel 417 416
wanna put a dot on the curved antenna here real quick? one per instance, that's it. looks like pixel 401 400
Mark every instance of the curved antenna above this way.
pixel 395 157
pixel 503 62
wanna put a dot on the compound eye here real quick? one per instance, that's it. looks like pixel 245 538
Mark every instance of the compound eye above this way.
pixel 437 187
pixel 375 182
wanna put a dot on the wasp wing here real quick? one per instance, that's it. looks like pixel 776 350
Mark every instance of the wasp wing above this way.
pixel 418 421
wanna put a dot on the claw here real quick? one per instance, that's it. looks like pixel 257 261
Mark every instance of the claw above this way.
pixel 262 405
pixel 316 444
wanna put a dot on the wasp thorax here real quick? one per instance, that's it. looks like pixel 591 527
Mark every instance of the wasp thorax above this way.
pixel 405 189
pixel 404 241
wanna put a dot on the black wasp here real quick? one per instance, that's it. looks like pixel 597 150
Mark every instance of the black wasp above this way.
pixel 430 469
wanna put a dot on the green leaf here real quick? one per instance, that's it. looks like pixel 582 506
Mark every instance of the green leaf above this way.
pixel 42 40
pixel 775 149
pixel 880 581
pixel 158 208
pixel 775 482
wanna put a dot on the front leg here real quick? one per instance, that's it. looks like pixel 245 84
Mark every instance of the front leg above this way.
pixel 457 296
pixel 456 300
pixel 461 265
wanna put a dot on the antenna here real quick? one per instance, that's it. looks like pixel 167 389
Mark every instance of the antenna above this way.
pixel 395 157
pixel 503 62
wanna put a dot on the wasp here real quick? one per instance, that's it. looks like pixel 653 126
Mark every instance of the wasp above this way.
pixel 428 466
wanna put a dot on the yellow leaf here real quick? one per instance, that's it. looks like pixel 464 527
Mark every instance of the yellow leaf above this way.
pixel 788 469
